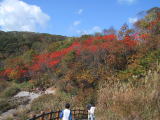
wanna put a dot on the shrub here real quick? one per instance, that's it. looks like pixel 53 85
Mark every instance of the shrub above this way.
pixel 25 86
pixel 3 84
pixel 53 102
pixel 5 105
pixel 11 91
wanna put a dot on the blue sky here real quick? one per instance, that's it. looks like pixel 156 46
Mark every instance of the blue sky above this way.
pixel 70 17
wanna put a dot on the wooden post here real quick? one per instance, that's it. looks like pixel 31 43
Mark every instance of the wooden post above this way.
pixel 42 113
pixel 76 112
pixel 58 114
pixel 79 113
pixel 85 113
pixel 50 115
pixel 73 114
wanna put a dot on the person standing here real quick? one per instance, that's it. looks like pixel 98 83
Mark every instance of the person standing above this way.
pixel 91 109
pixel 66 114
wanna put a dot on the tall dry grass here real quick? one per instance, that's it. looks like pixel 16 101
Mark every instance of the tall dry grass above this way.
pixel 137 99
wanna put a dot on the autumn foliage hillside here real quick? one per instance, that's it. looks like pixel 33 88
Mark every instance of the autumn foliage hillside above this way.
pixel 114 70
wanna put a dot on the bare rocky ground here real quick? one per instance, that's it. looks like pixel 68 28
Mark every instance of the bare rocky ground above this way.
pixel 23 99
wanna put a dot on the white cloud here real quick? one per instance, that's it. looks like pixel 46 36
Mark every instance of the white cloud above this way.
pixel 126 1
pixel 76 23
pixel 16 15
pixel 133 20
pixel 96 29
pixel 80 11
pixel 89 31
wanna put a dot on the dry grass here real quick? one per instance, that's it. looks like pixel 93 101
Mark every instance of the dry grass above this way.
pixel 125 101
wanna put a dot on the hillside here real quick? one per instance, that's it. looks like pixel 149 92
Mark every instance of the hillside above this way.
pixel 23 45
pixel 118 72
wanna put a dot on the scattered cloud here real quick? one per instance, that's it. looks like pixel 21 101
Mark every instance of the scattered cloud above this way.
pixel 76 23
pixel 96 29
pixel 80 11
pixel 126 1
pixel 133 20
pixel 16 15
pixel 89 31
